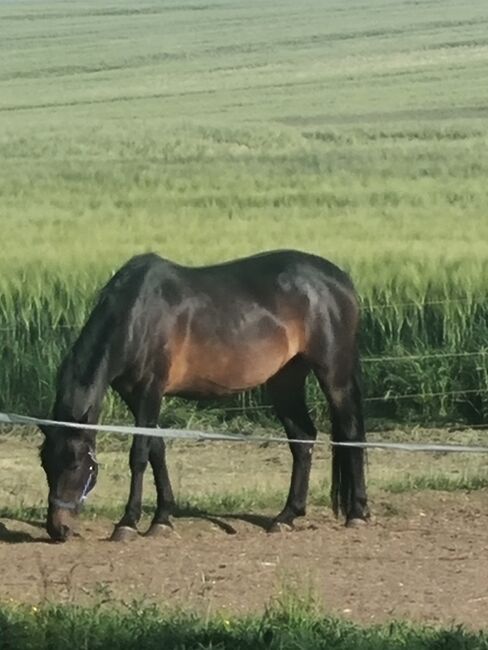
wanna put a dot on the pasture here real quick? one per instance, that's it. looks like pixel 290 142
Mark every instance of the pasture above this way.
pixel 206 131
pixel 209 131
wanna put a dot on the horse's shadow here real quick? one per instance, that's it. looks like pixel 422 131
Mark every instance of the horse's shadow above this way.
pixel 19 536
pixel 222 520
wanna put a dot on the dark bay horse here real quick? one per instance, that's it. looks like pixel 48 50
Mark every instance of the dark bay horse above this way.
pixel 159 328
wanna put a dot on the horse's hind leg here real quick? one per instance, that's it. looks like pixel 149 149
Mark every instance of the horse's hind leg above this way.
pixel 287 390
pixel 348 491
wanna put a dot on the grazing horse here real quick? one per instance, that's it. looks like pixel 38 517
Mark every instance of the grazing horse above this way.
pixel 160 328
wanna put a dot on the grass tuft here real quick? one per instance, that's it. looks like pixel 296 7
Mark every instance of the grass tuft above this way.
pixel 289 623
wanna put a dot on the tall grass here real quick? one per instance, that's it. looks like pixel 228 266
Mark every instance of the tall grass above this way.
pixel 209 131
pixel 424 360
pixel 290 623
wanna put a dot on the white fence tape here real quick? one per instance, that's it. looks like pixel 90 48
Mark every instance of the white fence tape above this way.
pixel 198 436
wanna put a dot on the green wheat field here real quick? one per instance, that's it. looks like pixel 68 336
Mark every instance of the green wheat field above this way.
pixel 207 131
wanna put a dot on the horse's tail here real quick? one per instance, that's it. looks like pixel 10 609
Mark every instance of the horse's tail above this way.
pixel 342 497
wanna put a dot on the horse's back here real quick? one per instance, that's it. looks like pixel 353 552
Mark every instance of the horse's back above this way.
pixel 242 321
pixel 218 329
pixel 272 268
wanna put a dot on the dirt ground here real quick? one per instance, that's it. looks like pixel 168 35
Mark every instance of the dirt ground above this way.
pixel 424 557
pixel 428 565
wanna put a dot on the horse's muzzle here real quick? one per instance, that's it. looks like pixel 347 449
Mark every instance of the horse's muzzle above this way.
pixel 59 524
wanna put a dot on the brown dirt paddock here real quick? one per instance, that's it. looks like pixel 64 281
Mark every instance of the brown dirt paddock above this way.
pixel 423 557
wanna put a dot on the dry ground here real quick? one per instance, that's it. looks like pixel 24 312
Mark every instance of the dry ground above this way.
pixel 423 557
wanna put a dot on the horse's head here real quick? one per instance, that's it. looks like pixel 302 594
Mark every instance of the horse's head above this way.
pixel 68 458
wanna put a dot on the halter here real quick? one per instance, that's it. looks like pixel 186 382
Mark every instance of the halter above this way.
pixel 74 505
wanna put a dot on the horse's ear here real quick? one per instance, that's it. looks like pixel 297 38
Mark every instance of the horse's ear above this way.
pixel 83 418
pixel 79 407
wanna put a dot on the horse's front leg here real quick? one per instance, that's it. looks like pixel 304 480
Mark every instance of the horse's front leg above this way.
pixel 139 454
pixel 161 524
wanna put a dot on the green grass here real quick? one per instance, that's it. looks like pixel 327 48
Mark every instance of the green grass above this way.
pixel 439 482
pixel 255 502
pixel 289 623
pixel 206 131
pixel 226 479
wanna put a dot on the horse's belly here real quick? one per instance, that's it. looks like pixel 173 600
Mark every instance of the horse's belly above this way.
pixel 222 370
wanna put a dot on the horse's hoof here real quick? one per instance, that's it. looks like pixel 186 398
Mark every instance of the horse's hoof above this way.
pixel 280 527
pixel 123 534
pixel 356 522
pixel 159 530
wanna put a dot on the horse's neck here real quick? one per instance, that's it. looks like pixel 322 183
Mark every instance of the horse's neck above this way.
pixel 79 401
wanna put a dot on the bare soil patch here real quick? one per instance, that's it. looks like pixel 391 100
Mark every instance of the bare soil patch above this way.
pixel 428 562
pixel 423 557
